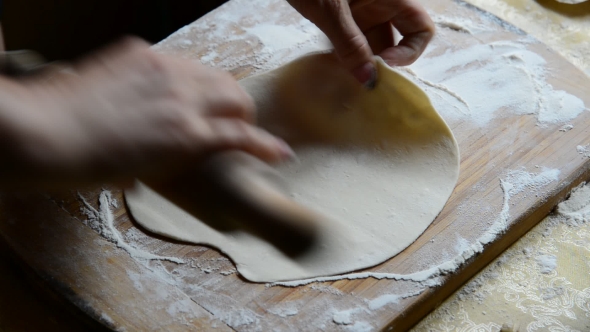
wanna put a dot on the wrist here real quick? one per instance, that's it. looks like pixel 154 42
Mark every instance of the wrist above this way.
pixel 20 131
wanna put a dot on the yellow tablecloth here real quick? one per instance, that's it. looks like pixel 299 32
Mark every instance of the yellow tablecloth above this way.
pixel 541 283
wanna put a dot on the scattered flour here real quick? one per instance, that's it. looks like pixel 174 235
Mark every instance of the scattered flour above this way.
pixel 583 150
pixel 102 221
pixel 461 245
pixel 178 307
pixel 552 292
pixel 360 326
pixel 566 128
pixel 576 210
pixel 343 317
pixel 240 317
pixel 460 24
pixel 228 272
pixel 521 181
pixel 327 289
pixel 510 79
pixel 273 38
pixel 186 42
pixel 286 310
pixel 547 263
pixel 387 299
pixel 278 37
pixel 107 319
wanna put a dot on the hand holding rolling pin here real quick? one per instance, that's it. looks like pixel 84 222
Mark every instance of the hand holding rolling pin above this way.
pixel 127 111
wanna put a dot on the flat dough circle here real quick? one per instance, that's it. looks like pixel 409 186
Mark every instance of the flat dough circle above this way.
pixel 379 164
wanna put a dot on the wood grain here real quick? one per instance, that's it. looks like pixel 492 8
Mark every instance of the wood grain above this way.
pixel 102 280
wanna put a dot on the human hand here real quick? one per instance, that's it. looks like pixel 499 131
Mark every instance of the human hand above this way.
pixel 126 112
pixel 360 28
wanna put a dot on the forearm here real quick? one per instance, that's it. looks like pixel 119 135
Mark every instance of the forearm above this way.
pixel 14 134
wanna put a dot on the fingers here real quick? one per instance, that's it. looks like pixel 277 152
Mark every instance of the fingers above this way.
pixel 407 51
pixel 234 134
pixel 381 37
pixel 334 18
pixel 417 30
pixel 350 44
pixel 366 26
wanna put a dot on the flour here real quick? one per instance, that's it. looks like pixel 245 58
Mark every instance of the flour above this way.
pixel 279 37
pixel 461 24
pixel 273 40
pixel 520 181
pixel 282 44
pixel 102 221
pixel 566 128
pixel 107 319
pixel 209 57
pixel 239 318
pixel 179 307
pixel 461 245
pixel 547 263
pixel 343 317
pixel 583 150
pixel 327 289
pixel 484 81
pixel 552 292
pixel 388 299
pixel 228 272
pixel 286 310
pixel 360 327
pixel 576 210
pixel 186 42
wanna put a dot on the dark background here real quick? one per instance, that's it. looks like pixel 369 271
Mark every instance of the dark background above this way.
pixel 66 29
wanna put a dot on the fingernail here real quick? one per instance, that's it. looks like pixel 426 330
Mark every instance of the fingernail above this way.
pixel 286 152
pixel 366 75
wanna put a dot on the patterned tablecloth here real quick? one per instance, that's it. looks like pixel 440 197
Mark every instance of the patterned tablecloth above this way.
pixel 541 283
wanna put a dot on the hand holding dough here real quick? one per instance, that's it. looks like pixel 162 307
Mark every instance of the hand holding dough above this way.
pixel 375 166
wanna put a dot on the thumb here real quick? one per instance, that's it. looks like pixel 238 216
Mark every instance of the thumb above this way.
pixel 349 42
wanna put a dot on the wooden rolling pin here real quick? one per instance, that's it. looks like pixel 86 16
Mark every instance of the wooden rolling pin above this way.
pixel 234 190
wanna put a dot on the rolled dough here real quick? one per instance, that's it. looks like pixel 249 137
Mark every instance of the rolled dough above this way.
pixel 379 165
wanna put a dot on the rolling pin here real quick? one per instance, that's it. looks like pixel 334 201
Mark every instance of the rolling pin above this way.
pixel 236 191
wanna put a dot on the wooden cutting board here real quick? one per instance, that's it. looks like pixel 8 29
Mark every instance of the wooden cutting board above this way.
pixel 100 271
